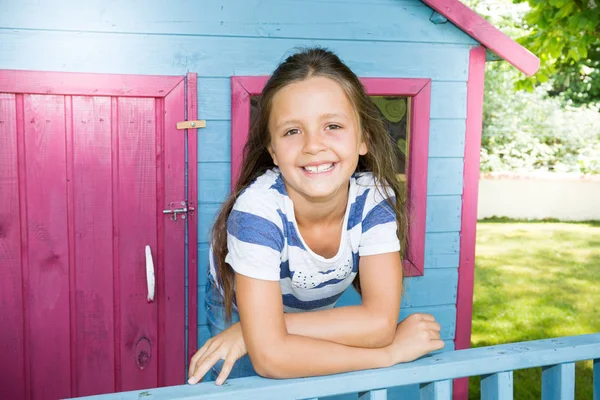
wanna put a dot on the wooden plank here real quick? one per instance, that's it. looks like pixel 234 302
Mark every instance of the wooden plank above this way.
pixel 443 213
pixel 497 386
pixel 47 286
pixel 447 138
pixel 442 250
pixel 448 106
pixel 558 382
pixel 380 394
pixel 448 365
pixel 468 223
pixel 596 379
pixel 192 232
pixel 449 100
pixel 12 368
pixel 437 287
pixel 214 142
pixel 440 390
pixel 36 82
pixel 207 214
pixel 171 317
pixel 445 176
pixel 136 215
pixel 386 21
pixel 203 254
pixel 92 211
pixel 488 35
pixel 219 56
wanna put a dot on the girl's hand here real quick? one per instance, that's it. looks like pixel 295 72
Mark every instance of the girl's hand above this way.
pixel 416 336
pixel 228 345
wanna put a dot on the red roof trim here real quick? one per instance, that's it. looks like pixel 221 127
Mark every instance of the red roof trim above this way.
pixel 486 34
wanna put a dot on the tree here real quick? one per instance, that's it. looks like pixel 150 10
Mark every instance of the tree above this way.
pixel 565 34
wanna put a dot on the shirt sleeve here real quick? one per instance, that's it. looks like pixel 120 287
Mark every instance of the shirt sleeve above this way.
pixel 255 238
pixel 379 225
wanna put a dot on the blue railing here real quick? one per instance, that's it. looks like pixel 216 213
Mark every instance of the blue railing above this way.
pixel 434 374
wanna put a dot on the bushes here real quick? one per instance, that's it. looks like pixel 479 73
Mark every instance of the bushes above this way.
pixel 526 131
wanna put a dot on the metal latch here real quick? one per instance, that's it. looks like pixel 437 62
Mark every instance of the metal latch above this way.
pixel 182 211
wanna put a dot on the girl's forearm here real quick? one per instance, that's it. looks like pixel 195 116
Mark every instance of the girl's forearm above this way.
pixel 352 326
pixel 314 357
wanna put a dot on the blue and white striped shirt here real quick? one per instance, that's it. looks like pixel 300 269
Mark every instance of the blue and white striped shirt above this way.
pixel 264 242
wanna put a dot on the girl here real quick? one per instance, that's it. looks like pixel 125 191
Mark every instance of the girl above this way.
pixel 316 199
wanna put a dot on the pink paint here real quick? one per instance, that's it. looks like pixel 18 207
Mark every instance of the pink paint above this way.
pixel 466 269
pixel 192 196
pixel 87 179
pixel 419 90
pixel 486 34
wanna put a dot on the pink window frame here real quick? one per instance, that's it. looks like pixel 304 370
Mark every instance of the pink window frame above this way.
pixel 419 90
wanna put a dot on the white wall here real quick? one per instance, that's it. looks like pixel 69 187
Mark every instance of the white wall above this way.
pixel 537 196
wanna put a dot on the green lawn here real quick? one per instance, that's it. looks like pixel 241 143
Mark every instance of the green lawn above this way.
pixel 535 280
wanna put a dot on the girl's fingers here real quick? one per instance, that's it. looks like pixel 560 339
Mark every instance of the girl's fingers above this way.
pixel 434 335
pixel 433 326
pixel 427 317
pixel 203 367
pixel 200 354
pixel 226 370
pixel 437 344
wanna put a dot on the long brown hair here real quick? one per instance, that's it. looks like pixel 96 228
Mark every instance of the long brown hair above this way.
pixel 379 160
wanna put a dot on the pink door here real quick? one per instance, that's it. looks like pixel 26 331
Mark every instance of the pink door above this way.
pixel 88 163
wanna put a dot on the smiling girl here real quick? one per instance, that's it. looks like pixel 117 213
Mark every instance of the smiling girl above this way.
pixel 317 208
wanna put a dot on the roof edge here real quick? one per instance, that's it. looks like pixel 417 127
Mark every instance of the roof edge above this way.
pixel 487 34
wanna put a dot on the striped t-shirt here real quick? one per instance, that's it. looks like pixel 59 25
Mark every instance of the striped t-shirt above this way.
pixel 264 242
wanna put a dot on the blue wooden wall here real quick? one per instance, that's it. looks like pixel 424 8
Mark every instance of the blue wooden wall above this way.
pixel 220 38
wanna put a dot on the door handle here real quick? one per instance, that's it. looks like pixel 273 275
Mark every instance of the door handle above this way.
pixel 150 274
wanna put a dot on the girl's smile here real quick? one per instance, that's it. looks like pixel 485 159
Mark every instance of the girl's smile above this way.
pixel 315 139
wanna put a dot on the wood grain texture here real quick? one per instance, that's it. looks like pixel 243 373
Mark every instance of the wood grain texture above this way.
pixel 447 137
pixel 93 251
pixel 172 233
pixel 136 213
pixel 384 20
pixel 47 286
pixel 449 365
pixel 12 368
pixel 35 82
pixel 175 55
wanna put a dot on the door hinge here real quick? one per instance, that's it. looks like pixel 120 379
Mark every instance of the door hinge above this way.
pixel 183 211
pixel 199 123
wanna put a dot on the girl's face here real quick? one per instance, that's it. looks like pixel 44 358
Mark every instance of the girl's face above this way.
pixel 315 139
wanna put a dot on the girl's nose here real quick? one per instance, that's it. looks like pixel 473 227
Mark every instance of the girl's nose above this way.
pixel 314 142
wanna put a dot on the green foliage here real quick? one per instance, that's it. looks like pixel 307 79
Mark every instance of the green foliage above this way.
pixel 526 131
pixel 565 35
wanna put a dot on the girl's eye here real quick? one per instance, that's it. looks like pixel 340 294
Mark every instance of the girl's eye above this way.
pixel 333 127
pixel 291 132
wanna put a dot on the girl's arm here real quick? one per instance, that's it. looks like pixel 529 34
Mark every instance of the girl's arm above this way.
pixel 370 324
pixel 275 353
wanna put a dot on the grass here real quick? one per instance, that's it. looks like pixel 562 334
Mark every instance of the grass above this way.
pixel 535 280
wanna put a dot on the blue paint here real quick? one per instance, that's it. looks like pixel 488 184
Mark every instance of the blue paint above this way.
pixel 442 250
pixel 443 213
pixel 440 390
pixel 497 386
pixel 445 176
pixel 206 216
pixel 449 100
pixel 439 367
pixel 219 56
pixel 383 20
pixel 214 98
pixel 214 141
pixel 447 137
pixel 558 381
pixel 380 394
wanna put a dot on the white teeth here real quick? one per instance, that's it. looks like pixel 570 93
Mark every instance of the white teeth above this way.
pixel 320 168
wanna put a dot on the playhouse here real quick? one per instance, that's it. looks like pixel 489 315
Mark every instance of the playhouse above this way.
pixel 121 131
